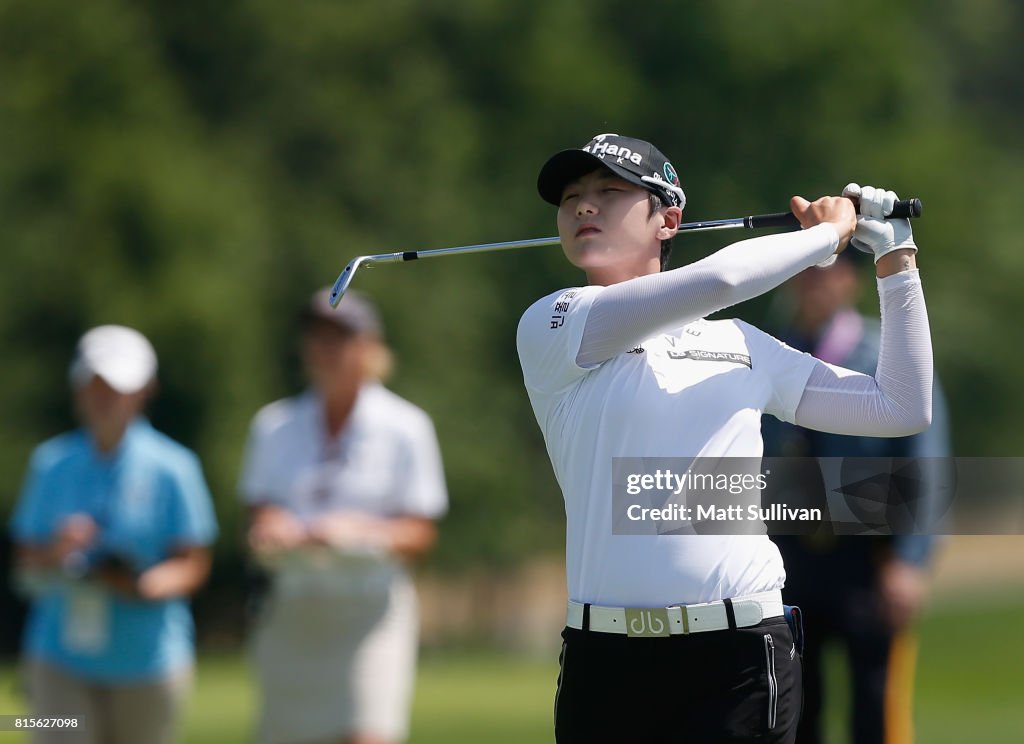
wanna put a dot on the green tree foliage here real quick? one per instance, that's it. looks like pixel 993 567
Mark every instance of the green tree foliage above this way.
pixel 196 169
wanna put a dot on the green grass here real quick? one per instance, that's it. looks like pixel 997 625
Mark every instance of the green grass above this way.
pixel 970 684
pixel 459 698
pixel 970 679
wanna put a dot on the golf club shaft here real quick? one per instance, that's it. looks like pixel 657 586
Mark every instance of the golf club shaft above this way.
pixel 907 208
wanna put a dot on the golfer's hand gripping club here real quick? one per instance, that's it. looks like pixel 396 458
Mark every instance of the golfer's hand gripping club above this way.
pixel 903 209
pixel 879 229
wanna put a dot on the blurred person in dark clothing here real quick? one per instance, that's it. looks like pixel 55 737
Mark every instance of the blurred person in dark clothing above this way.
pixel 863 592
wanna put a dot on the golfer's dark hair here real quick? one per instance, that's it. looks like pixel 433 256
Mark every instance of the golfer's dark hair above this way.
pixel 666 245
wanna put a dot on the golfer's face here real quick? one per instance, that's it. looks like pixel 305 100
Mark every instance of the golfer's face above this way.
pixel 605 221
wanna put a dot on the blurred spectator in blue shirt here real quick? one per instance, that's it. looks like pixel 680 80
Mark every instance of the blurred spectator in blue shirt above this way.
pixel 111 533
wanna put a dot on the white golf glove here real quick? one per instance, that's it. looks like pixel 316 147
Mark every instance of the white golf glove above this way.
pixel 874 233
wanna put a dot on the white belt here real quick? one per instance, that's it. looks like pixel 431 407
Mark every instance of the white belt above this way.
pixel 678 619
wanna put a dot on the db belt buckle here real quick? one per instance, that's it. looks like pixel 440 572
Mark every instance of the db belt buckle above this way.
pixel 653 622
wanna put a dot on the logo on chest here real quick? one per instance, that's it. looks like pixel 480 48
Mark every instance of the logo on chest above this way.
pixel 698 355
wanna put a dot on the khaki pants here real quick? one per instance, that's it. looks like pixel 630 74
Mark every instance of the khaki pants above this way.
pixel 137 713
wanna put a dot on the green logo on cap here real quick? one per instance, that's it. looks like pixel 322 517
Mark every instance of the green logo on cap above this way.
pixel 670 174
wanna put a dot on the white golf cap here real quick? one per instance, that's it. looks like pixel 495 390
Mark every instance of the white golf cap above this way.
pixel 121 356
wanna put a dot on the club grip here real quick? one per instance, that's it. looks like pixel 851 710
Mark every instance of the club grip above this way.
pixel 903 209
pixel 906 208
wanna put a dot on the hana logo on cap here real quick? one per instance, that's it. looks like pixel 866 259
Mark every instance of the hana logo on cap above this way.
pixel 600 147
pixel 631 159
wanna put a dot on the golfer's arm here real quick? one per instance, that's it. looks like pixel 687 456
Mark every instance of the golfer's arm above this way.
pixel 895 262
pixel 624 314
pixel 897 401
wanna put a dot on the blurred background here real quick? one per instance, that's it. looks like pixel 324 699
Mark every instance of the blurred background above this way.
pixel 195 169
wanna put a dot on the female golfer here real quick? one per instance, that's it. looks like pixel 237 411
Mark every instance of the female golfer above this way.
pixel 682 637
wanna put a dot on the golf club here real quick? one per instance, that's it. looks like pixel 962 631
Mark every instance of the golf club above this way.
pixel 906 208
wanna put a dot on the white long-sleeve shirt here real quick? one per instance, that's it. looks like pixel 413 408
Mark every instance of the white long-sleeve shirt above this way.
pixel 633 370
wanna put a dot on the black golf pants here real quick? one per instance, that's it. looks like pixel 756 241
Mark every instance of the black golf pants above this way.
pixel 740 685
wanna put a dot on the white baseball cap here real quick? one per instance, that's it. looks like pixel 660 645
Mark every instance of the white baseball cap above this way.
pixel 122 357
